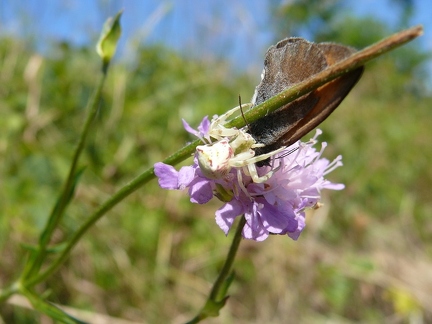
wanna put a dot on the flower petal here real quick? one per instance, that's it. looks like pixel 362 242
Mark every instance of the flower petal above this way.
pixel 200 191
pixel 204 126
pixel 189 129
pixel 167 176
pixel 226 215
pixel 185 176
pixel 273 219
pixel 253 229
pixel 301 224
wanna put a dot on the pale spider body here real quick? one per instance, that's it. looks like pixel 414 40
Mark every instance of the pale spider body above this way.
pixel 233 148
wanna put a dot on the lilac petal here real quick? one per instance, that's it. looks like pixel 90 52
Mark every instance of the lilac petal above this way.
pixel 226 215
pixel 295 234
pixel 185 176
pixel 297 226
pixel 273 219
pixel 321 165
pixel 303 181
pixel 280 193
pixel 167 176
pixel 333 186
pixel 200 191
pixel 204 126
pixel 253 230
pixel 189 129
pixel 295 223
pixel 311 194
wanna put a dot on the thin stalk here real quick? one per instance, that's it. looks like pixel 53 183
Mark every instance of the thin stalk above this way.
pixel 227 267
pixel 217 298
pixel 125 191
pixel 62 202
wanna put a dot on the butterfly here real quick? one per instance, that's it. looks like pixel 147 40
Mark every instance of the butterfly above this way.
pixel 291 61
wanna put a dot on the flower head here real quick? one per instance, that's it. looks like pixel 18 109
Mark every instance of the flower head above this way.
pixel 272 198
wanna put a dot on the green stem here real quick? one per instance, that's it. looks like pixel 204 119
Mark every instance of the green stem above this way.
pixel 125 191
pixel 226 269
pixel 217 296
pixel 65 195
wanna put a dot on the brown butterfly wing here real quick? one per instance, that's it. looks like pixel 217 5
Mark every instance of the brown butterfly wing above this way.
pixel 330 95
pixel 291 61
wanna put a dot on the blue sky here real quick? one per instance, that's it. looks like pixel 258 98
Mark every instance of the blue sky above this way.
pixel 208 29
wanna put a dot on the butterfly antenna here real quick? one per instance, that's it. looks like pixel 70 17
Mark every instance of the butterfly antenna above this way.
pixel 288 153
pixel 312 141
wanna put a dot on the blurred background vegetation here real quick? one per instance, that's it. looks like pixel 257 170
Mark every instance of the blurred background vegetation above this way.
pixel 364 257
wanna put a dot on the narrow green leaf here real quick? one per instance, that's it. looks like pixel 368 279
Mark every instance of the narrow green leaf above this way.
pixel 225 286
pixel 49 309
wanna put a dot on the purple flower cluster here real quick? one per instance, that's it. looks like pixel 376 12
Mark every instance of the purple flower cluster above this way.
pixel 276 206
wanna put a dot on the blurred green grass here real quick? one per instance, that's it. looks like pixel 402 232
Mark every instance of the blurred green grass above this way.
pixel 365 256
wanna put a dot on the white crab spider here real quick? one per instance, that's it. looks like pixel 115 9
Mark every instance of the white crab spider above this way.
pixel 233 148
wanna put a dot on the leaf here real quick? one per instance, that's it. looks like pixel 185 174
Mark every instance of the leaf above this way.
pixel 49 309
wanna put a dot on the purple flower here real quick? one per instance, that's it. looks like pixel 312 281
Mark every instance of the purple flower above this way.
pixel 273 200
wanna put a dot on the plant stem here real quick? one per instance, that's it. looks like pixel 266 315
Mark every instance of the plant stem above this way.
pixel 217 296
pixel 67 192
pixel 226 269
pixel 125 191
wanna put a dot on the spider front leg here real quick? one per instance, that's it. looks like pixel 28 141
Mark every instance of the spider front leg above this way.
pixel 247 160
pixel 217 128
pixel 253 172
pixel 229 113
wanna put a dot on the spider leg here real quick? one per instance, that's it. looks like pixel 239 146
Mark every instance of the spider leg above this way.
pixel 253 172
pixel 222 118
pixel 241 159
pixel 251 168
pixel 241 184
pixel 217 128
